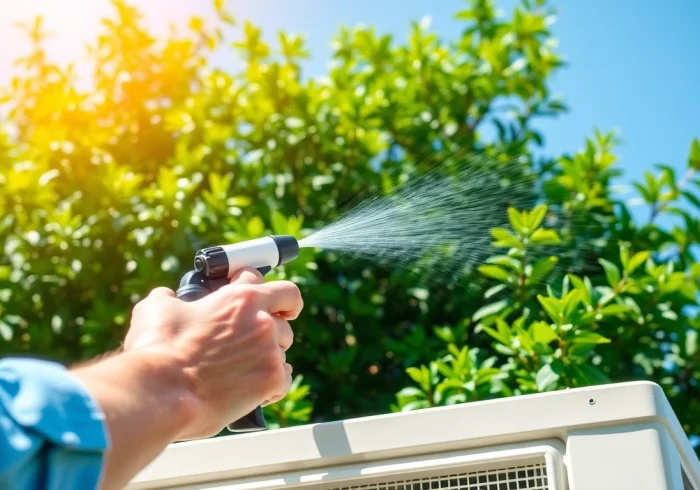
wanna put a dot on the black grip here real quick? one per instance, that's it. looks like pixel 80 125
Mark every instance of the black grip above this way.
pixel 194 286
pixel 264 270
pixel 252 422
pixel 191 292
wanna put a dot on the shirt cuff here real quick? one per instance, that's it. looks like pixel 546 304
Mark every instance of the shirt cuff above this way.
pixel 47 398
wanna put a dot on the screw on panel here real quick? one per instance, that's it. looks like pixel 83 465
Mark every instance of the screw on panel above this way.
pixel 591 401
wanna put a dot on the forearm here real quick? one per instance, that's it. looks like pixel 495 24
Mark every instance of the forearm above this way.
pixel 146 403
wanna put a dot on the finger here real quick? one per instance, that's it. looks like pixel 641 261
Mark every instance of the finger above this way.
pixel 162 292
pixel 285 334
pixel 287 315
pixel 247 276
pixel 284 298
pixel 288 384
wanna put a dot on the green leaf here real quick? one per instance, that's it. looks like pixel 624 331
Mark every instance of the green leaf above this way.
pixel 494 290
pixel 490 309
pixel 668 175
pixel 279 223
pixel 577 282
pixel 505 261
pixel 542 349
pixel 588 374
pixel 611 272
pixel 652 185
pixel 546 379
pixel 516 220
pixel 648 198
pixel 255 227
pixel 503 349
pixel 495 272
pixel 416 375
pixel 583 286
pixel 614 309
pixel 541 268
pixel 580 350
pixel 624 255
pixel 504 238
pixel 415 405
pixel 536 216
pixel 543 333
pixel 466 15
pixel 570 302
pixel 565 287
pixel 692 198
pixel 240 201
pixel 5 331
pixel 545 237
pixel 445 370
pixel 551 306
pixel 526 340
pixel 691 343
pixel 504 330
pixel 445 334
pixel 694 158
pixel 589 338
pixel 637 259
pixel 497 335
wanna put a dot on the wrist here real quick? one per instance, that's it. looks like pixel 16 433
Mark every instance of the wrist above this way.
pixel 167 376
pixel 156 381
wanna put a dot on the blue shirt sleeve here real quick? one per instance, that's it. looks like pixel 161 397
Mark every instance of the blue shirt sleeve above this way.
pixel 53 434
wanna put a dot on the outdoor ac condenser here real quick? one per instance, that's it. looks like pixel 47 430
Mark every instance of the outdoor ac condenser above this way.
pixel 613 437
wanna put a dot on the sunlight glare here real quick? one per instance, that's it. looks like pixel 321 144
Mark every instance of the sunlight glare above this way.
pixel 72 24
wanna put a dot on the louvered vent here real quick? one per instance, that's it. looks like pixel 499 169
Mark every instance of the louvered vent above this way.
pixel 531 477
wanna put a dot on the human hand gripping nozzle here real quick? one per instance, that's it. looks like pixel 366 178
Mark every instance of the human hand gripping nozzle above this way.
pixel 214 267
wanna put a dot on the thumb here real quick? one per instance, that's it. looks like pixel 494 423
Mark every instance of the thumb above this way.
pixel 247 276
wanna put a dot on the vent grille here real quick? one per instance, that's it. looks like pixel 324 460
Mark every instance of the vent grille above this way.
pixel 530 477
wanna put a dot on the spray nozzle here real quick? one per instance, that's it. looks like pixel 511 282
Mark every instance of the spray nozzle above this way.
pixel 262 253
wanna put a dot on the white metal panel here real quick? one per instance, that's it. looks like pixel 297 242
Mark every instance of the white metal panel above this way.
pixel 640 457
pixel 472 425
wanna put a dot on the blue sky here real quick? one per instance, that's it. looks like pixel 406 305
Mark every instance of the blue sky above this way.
pixel 633 66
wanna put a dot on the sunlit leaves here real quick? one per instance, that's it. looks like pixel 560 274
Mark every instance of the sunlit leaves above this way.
pixel 252 45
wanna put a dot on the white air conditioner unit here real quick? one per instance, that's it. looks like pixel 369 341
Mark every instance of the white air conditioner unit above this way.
pixel 613 437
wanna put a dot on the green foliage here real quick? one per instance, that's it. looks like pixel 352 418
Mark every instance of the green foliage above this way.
pixel 632 316
pixel 108 191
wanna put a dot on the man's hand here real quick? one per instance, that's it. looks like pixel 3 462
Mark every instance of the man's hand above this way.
pixel 190 368
pixel 229 345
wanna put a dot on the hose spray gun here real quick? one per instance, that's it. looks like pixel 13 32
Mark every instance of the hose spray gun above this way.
pixel 214 267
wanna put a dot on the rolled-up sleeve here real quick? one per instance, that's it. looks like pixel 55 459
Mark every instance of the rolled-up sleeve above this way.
pixel 53 434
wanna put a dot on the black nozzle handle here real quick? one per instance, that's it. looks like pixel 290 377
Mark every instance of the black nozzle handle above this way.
pixel 253 422
pixel 195 286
